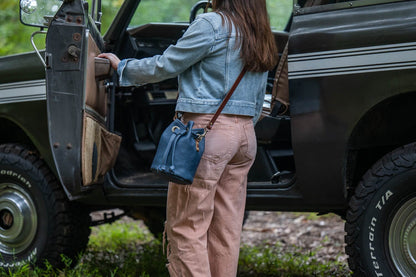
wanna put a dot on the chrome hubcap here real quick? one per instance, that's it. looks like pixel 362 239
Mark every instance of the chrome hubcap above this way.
pixel 18 219
pixel 402 239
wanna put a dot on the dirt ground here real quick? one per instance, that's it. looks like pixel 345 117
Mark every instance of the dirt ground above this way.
pixel 306 232
pixel 300 232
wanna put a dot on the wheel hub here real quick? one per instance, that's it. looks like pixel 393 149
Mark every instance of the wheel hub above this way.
pixel 6 219
pixel 409 242
pixel 402 239
pixel 18 219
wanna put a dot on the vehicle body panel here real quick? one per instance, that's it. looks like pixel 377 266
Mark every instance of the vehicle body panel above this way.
pixel 336 62
pixel 352 86
pixel 23 103
pixel 12 68
pixel 339 68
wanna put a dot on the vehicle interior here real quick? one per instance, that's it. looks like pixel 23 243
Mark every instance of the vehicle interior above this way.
pixel 142 113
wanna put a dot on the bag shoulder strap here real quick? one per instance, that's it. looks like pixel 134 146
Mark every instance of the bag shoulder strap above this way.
pixel 226 98
pixel 280 90
pixel 279 69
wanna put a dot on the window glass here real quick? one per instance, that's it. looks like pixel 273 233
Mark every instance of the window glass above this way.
pixel 109 10
pixel 279 13
pixel 162 11
pixel 179 11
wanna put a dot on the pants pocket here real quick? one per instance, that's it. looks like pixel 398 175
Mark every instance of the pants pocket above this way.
pixel 218 144
pixel 249 147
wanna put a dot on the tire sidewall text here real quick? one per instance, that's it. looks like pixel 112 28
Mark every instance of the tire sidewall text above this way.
pixel 28 180
pixel 377 219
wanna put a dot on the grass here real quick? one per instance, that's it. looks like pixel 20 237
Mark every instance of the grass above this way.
pixel 269 260
pixel 126 249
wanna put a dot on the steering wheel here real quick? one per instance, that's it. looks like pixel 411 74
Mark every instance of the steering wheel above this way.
pixel 199 5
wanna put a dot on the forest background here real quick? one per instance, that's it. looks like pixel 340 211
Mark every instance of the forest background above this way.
pixel 15 37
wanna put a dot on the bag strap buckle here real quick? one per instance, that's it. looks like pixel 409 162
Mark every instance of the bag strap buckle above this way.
pixel 199 138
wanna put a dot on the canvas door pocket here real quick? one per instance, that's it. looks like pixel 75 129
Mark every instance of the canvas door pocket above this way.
pixel 99 150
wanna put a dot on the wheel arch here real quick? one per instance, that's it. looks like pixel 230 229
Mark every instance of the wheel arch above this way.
pixel 386 126
pixel 18 134
pixel 14 134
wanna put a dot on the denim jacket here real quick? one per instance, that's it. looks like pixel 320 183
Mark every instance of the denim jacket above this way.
pixel 208 63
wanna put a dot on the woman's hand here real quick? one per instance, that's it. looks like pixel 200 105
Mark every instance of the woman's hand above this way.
pixel 114 60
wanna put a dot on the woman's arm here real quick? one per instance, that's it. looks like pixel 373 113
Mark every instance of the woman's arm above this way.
pixel 194 45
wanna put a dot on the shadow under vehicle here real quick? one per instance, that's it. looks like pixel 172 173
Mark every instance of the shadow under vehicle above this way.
pixel 346 145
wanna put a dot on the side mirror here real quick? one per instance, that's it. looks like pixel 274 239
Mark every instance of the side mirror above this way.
pixel 38 13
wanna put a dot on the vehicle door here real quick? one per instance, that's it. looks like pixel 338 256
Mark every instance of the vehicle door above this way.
pixel 77 99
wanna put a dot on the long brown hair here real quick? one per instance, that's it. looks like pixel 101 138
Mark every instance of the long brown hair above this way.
pixel 250 17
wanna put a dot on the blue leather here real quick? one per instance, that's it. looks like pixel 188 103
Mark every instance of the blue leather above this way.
pixel 178 156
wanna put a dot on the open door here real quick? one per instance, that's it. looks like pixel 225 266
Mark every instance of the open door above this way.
pixel 83 149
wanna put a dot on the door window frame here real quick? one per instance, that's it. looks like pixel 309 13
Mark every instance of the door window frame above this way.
pixel 331 5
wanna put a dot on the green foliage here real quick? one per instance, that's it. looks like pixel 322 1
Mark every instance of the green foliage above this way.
pixel 109 10
pixel 118 249
pixel 114 236
pixel 269 260
pixel 15 37
pixel 135 259
pixel 126 249
pixel 123 249
pixel 167 11
pixel 279 13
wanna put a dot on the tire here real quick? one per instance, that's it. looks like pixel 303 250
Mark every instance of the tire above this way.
pixel 155 221
pixel 37 222
pixel 381 220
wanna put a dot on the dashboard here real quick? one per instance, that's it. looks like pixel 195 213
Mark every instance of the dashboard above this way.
pixel 153 39
pixel 149 40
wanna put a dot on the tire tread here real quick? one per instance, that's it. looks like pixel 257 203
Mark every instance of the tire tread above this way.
pixel 399 160
pixel 70 222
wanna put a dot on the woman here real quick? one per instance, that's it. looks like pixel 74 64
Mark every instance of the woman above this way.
pixel 204 219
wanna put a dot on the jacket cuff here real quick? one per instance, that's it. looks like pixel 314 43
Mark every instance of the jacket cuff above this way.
pixel 123 81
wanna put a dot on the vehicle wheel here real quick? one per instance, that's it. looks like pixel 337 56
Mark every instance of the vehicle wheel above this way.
pixel 37 222
pixel 381 220
pixel 155 221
